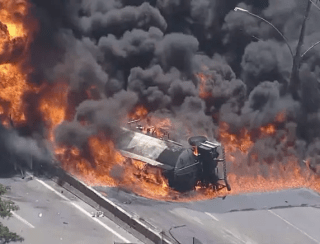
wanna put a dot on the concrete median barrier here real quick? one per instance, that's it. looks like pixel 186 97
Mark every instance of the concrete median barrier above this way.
pixel 134 222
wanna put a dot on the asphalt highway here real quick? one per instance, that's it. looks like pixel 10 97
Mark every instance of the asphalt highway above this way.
pixel 286 217
pixel 49 214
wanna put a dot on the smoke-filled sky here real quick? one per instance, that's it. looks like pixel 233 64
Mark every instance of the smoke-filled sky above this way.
pixel 139 52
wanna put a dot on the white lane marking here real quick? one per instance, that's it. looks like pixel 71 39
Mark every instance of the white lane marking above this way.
pixel 237 237
pixel 83 211
pixel 212 216
pixel 310 237
pixel 22 220
pixel 197 220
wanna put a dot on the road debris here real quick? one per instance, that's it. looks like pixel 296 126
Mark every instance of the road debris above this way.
pixel 98 214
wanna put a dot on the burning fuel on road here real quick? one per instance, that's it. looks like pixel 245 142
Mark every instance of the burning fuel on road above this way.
pixel 74 73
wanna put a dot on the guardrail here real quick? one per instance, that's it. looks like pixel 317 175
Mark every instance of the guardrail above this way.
pixel 134 222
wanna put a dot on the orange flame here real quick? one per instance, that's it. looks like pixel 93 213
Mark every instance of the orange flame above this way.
pixel 195 151
pixel 101 164
pixel 281 117
pixel 232 143
pixel 203 93
pixel 150 124
pixel 160 130
pixel 53 105
pixel 203 78
pixel 9 15
pixel 268 130
pixel 110 168
pixel 13 87
pixel 280 176
pixel 260 176
pixel 140 112
pixel 13 83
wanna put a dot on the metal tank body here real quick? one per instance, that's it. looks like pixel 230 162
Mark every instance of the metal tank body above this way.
pixel 183 166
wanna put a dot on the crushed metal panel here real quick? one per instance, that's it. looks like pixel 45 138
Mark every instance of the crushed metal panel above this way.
pixel 149 149
pixel 146 146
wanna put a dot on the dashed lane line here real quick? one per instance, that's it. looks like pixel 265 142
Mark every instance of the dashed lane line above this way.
pixel 212 216
pixel 82 210
pixel 237 238
pixel 22 220
pixel 303 232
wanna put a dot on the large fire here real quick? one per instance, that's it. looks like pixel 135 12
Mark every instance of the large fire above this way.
pixel 53 106
pixel 260 176
pixel 9 16
pixel 150 125
pixel 105 166
pixel 140 112
pixel 99 163
pixel 13 87
pixel 13 44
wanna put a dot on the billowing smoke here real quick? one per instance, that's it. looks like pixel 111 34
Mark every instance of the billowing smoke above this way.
pixel 25 150
pixel 151 52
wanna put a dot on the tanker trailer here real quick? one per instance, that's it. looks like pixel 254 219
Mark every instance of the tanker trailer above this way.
pixel 197 162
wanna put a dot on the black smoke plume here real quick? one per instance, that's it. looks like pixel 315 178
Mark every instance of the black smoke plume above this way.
pixel 150 53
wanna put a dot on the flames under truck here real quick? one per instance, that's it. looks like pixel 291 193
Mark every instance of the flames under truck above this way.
pixel 202 162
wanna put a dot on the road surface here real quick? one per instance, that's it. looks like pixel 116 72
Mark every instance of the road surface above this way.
pixel 49 214
pixel 286 217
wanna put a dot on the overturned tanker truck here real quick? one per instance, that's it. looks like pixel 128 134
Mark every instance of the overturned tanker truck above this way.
pixel 200 162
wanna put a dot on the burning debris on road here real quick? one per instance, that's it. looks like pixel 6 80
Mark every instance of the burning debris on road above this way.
pixel 180 68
